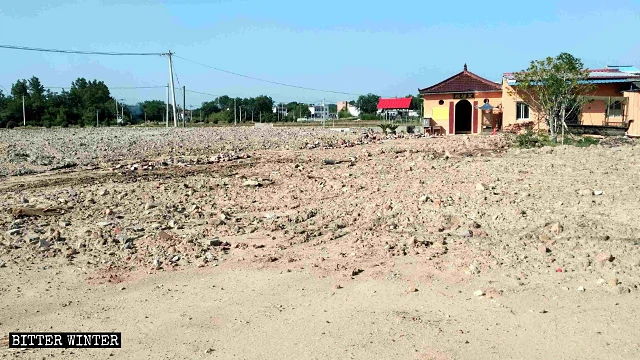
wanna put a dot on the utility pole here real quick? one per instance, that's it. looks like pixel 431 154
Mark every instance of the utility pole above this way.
pixel 184 106
pixel 167 115
pixel 116 111
pixel 97 118
pixel 240 113
pixel 234 112
pixel 173 90
pixel 24 114
pixel 324 121
pixel 260 117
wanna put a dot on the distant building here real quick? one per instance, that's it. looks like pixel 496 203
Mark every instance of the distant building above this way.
pixel 352 109
pixel 319 111
pixel 394 107
pixel 281 108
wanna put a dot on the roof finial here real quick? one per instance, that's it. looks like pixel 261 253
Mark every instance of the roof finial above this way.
pixel 465 66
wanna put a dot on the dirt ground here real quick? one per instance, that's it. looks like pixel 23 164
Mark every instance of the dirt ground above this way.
pixel 321 245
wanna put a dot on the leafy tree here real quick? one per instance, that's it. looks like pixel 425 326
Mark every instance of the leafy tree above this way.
pixel 554 89
pixel 225 116
pixel 263 104
pixel 297 110
pixel 344 113
pixel 154 109
pixel 368 104
pixel 87 98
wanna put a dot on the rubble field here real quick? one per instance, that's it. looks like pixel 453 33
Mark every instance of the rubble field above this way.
pixel 311 243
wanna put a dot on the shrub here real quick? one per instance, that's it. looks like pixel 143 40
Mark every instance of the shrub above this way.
pixel 11 124
pixel 369 117
pixel 529 139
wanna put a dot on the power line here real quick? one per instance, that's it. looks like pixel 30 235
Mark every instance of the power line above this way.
pixel 264 80
pixel 113 87
pixel 202 93
pixel 109 53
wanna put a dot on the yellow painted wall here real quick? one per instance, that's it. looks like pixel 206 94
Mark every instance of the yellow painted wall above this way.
pixel 440 113
pixel 593 113
pixel 633 112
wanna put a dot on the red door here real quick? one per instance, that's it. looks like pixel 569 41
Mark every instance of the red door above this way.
pixel 452 129
pixel 475 118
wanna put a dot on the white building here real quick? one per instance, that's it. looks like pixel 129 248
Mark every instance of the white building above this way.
pixel 281 108
pixel 319 111
pixel 352 109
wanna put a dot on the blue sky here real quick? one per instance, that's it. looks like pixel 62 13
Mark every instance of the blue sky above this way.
pixel 388 48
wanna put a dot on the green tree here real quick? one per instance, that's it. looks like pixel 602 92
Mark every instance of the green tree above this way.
pixel 263 104
pixel 37 101
pixel 89 97
pixel 554 88
pixel 154 109
pixel 368 104
pixel 297 110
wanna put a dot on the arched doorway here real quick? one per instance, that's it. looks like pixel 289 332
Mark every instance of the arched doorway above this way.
pixel 463 117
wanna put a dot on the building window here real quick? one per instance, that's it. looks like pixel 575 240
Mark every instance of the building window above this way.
pixel 615 109
pixel 441 102
pixel 522 111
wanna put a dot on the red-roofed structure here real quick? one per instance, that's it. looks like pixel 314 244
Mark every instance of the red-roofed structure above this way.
pixel 394 103
pixel 464 81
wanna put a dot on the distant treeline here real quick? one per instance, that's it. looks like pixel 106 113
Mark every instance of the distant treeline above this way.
pixel 88 102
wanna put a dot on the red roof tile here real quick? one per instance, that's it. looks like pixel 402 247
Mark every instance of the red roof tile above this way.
pixel 395 103
pixel 462 82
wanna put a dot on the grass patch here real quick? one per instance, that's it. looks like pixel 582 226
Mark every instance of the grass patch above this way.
pixel 532 139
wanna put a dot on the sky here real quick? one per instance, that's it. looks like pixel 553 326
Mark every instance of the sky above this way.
pixel 357 47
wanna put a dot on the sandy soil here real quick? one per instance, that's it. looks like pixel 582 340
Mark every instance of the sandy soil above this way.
pixel 327 245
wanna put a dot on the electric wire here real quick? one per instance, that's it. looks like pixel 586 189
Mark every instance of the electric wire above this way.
pixel 264 80
pixel 108 53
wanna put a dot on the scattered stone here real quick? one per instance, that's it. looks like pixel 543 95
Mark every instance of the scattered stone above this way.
pixel 555 228
pixel 613 282
pixel 337 286
pixel 44 244
pixel 597 192
pixel 480 187
pixel 465 233
pixel 328 162
pixel 478 293
pixel 474 269
pixel 251 183
pixel 584 192
pixel 413 289
pixel 175 259
pixel 215 242
pixel 103 192
pixel 601 281
pixel 150 205
pixel 14 231
pixel 104 223
pixel 543 249
pixel 71 253
pixel 424 198
pixel 157 263
pixel 581 288
pixel 2 263
pixel 604 257
pixel 356 272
